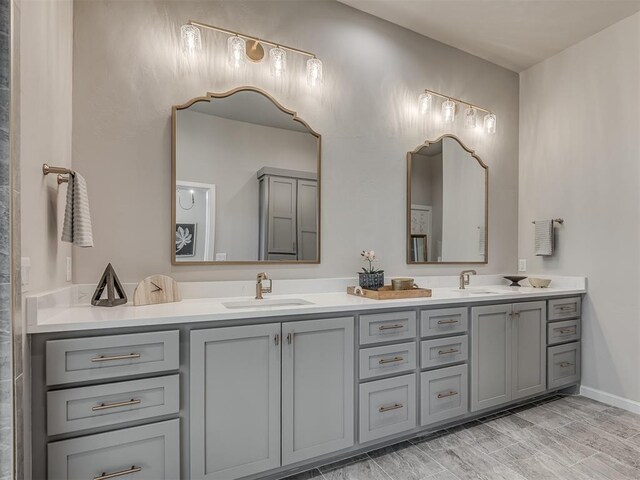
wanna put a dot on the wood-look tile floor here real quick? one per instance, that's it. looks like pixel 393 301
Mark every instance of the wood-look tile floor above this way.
pixel 567 438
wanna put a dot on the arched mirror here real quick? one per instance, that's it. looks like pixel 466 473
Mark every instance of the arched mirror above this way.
pixel 246 182
pixel 446 204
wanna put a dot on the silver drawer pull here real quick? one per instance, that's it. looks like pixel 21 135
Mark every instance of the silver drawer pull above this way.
pixel 566 308
pixel 566 330
pixel 564 364
pixel 448 352
pixel 105 358
pixel 382 361
pixel 447 322
pixel 395 406
pixel 391 327
pixel 450 393
pixel 105 406
pixel 128 471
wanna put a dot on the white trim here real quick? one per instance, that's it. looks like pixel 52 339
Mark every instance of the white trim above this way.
pixel 610 399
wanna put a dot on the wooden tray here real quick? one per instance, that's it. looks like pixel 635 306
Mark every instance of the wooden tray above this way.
pixel 388 293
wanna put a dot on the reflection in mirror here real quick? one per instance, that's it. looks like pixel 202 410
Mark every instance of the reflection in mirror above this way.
pixel 446 204
pixel 246 181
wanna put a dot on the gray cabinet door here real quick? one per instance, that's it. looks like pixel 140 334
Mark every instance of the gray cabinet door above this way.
pixel 528 372
pixel 307 220
pixel 490 356
pixel 235 401
pixel 317 388
pixel 282 215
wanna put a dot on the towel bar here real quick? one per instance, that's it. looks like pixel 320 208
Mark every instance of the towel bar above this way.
pixel 557 220
pixel 61 171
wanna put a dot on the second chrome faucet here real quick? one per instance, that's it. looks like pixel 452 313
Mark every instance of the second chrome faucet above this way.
pixel 262 276
pixel 464 277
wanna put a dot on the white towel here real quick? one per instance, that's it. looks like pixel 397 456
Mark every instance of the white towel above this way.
pixel 77 219
pixel 544 237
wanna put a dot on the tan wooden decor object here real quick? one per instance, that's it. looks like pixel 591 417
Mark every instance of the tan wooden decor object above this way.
pixel 157 289
pixel 388 293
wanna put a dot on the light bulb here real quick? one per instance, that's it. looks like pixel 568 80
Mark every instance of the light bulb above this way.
pixel 448 111
pixel 236 48
pixel 490 122
pixel 314 72
pixel 278 60
pixel 425 101
pixel 191 40
pixel 470 117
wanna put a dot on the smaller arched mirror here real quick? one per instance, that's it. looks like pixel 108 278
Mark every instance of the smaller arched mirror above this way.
pixel 447 204
pixel 246 182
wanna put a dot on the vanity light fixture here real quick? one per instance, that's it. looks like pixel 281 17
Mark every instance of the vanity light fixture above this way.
pixel 448 111
pixel 241 47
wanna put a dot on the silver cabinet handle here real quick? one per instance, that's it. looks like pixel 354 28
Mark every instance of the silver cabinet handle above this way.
pixel 108 358
pixel 450 393
pixel 290 338
pixel 276 339
pixel 564 364
pixel 390 327
pixel 566 330
pixel 395 406
pixel 128 471
pixel 448 352
pixel 566 308
pixel 382 361
pixel 105 406
pixel 447 322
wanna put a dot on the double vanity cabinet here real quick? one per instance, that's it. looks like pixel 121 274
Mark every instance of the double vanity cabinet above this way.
pixel 265 397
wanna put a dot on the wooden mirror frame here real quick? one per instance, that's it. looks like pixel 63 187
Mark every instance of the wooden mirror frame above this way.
pixel 210 96
pixel 486 203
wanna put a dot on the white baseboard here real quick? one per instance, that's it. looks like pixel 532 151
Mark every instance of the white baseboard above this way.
pixel 610 399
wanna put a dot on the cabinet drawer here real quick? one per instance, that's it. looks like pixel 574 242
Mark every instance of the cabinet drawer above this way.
pixel 563 365
pixel 88 407
pixel 387 327
pixel 563 308
pixel 443 351
pixel 150 452
pixel 443 321
pixel 97 358
pixel 561 332
pixel 387 407
pixel 378 361
pixel 443 394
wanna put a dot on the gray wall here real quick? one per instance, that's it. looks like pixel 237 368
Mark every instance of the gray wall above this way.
pixel 580 160
pixel 128 72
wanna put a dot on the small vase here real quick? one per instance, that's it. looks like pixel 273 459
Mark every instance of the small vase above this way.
pixel 371 281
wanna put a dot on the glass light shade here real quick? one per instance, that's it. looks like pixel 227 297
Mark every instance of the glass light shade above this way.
pixel 470 117
pixel 236 49
pixel 425 102
pixel 448 111
pixel 278 61
pixel 490 122
pixel 191 40
pixel 314 72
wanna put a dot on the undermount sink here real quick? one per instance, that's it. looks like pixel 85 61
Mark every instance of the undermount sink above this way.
pixel 266 303
pixel 486 292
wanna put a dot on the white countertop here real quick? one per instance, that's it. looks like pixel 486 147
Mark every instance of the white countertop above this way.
pixel 83 316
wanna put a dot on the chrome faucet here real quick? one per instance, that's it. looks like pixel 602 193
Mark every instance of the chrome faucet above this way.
pixel 259 290
pixel 464 277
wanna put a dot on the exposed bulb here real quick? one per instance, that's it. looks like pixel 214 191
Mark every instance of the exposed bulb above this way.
pixel 470 117
pixel 236 48
pixel 448 111
pixel 314 72
pixel 191 40
pixel 425 102
pixel 278 60
pixel 490 122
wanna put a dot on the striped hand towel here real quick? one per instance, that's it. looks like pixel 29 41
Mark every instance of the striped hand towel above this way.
pixel 544 237
pixel 77 219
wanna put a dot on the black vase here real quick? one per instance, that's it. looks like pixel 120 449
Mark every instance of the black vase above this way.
pixel 371 281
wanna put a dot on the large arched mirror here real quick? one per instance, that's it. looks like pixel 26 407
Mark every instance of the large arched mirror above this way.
pixel 446 204
pixel 246 182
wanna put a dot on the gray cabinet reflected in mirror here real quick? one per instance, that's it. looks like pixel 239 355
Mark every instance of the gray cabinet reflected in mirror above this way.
pixel 246 182
pixel 446 204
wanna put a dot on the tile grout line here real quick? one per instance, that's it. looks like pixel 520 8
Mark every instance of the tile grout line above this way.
pixel 379 466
